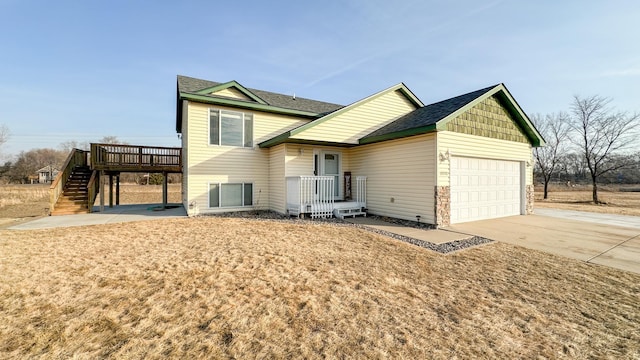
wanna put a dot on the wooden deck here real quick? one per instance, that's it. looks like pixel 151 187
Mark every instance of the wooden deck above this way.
pixel 106 162
pixel 135 158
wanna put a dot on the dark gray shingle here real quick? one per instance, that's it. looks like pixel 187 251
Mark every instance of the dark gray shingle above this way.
pixel 429 114
pixel 192 85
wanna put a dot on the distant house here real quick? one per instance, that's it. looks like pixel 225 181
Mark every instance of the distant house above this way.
pixel 46 175
pixel 461 159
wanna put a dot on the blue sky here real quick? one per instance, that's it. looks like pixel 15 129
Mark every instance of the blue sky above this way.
pixel 81 70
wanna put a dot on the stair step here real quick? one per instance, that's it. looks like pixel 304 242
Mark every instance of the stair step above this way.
pixel 70 208
pixel 75 195
pixel 69 212
pixel 76 189
pixel 71 201
pixel 342 213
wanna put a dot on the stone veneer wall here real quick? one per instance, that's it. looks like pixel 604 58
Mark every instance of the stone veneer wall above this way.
pixel 443 205
pixel 530 199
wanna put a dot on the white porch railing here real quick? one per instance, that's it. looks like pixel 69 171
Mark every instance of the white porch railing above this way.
pixel 361 191
pixel 310 195
pixel 314 195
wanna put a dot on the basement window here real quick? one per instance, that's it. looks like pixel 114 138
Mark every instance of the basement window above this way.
pixel 230 195
pixel 230 128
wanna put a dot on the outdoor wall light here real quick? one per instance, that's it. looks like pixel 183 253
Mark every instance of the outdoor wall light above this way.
pixel 445 156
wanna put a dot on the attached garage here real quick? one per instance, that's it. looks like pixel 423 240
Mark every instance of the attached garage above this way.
pixel 485 188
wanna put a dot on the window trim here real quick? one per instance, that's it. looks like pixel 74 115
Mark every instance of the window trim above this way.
pixel 242 194
pixel 244 133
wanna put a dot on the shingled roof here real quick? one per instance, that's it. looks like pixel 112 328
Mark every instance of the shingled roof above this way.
pixel 424 119
pixel 189 85
pixel 426 116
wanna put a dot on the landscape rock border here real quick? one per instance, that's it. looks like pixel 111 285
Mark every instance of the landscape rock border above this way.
pixel 444 248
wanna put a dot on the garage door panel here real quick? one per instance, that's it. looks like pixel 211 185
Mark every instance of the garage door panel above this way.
pixel 484 188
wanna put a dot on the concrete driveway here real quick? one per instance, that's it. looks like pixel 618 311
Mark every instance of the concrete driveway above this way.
pixel 583 236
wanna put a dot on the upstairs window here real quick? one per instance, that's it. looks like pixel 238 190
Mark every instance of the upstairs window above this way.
pixel 230 128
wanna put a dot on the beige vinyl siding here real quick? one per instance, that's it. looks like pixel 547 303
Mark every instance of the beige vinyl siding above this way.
pixel 459 144
pixel 402 169
pixel 298 163
pixel 277 178
pixel 355 123
pixel 226 164
pixel 233 93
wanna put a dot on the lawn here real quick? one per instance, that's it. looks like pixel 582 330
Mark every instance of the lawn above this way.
pixel 245 288
pixel 26 202
pixel 579 198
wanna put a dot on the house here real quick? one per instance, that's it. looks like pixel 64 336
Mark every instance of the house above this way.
pixel 47 174
pixel 461 159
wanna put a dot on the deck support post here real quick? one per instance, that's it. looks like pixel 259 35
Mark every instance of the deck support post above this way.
pixel 101 190
pixel 110 190
pixel 165 189
pixel 117 189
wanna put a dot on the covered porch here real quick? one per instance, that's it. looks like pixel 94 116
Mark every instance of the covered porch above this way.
pixel 315 196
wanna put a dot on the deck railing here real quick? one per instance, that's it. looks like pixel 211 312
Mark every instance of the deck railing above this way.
pixel 77 157
pixel 93 188
pixel 117 157
pixel 313 195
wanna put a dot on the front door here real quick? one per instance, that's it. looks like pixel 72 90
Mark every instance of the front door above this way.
pixel 329 164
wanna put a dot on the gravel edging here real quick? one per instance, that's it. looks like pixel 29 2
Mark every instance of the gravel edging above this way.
pixel 444 248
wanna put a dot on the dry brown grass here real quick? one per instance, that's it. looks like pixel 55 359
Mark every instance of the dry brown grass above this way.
pixel 580 199
pixel 233 288
pixel 23 201
pixel 21 194
pixel 144 194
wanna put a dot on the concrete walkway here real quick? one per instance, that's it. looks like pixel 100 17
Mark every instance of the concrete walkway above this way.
pixel 591 241
pixel 591 217
pixel 433 236
pixel 117 214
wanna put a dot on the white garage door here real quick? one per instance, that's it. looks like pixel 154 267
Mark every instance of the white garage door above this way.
pixel 484 189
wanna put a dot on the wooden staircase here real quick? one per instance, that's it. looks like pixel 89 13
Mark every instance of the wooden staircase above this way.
pixel 75 188
pixel 75 195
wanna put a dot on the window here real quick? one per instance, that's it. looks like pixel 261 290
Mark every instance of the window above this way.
pixel 230 195
pixel 230 128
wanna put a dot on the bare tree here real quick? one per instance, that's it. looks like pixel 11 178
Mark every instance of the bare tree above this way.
pixel 600 134
pixel 555 129
pixel 111 140
pixel 4 134
pixel 67 146
pixel 28 162
pixel 573 167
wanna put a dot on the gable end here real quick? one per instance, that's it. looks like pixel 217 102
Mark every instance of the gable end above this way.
pixel 488 119
pixel 232 93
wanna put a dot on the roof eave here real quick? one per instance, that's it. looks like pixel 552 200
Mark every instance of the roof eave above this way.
pixel 398 134
pixel 286 138
pixel 247 105
pixel 525 123
pixel 277 140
